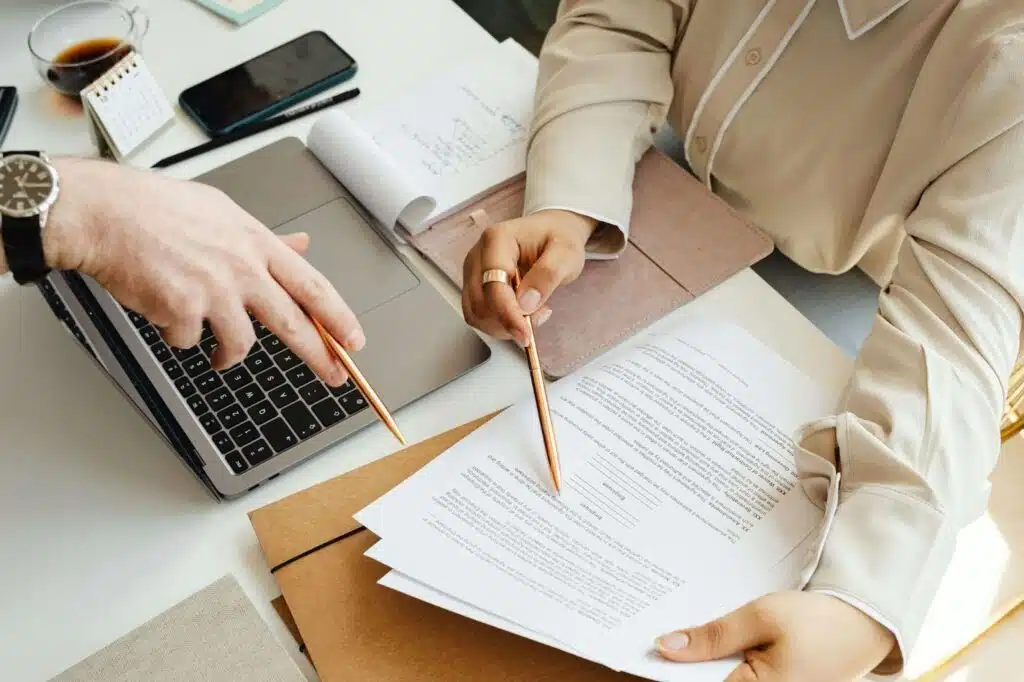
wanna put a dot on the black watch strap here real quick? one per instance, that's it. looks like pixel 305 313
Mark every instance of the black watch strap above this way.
pixel 23 243
pixel 23 246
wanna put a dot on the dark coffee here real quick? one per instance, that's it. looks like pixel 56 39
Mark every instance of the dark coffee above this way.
pixel 80 64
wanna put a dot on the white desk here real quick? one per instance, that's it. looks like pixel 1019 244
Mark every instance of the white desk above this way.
pixel 100 527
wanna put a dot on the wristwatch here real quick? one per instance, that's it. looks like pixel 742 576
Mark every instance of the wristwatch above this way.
pixel 29 186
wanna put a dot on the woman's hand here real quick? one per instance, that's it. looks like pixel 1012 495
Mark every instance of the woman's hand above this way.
pixel 547 248
pixel 180 253
pixel 787 637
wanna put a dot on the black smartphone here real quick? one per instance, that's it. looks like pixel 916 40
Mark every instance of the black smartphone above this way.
pixel 8 105
pixel 267 84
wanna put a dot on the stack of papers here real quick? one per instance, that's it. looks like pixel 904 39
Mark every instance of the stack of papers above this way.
pixel 680 503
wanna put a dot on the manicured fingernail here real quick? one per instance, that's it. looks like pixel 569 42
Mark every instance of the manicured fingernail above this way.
pixel 529 300
pixel 673 641
pixel 355 340
pixel 542 318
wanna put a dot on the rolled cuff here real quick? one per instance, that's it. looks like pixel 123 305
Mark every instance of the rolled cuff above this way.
pixel 607 241
pixel 584 161
pixel 885 554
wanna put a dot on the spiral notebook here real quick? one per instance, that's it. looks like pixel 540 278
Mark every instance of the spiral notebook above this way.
pixel 125 108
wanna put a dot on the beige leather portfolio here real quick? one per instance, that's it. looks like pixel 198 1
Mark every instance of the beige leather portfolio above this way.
pixel 683 240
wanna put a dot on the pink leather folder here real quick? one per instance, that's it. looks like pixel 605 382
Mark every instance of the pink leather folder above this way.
pixel 683 240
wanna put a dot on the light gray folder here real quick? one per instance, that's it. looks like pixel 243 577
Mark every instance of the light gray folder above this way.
pixel 215 635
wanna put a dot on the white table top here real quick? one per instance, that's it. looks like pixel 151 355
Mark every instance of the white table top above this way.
pixel 100 527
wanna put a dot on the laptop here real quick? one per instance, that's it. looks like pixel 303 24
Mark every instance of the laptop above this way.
pixel 238 428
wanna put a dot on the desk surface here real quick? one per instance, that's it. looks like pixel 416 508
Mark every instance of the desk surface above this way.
pixel 100 527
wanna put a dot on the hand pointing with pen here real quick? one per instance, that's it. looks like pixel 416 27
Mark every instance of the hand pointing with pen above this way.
pixel 500 300
pixel 181 253
pixel 548 248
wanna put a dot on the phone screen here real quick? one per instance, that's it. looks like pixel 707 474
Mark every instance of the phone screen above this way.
pixel 271 78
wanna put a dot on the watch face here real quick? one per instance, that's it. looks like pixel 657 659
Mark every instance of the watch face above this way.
pixel 27 186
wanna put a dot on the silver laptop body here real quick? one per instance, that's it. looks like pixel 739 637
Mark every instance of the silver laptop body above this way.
pixel 238 428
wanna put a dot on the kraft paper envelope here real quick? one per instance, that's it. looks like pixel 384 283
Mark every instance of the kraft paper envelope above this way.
pixel 356 630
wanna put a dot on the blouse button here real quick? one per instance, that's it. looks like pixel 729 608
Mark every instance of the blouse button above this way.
pixel 754 56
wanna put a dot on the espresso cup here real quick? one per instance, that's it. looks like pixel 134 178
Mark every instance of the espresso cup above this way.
pixel 74 45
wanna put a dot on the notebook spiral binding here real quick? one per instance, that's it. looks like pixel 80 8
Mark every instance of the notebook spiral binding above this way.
pixel 116 73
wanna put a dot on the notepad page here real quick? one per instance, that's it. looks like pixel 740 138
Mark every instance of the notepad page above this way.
pixel 464 133
pixel 391 194
pixel 130 104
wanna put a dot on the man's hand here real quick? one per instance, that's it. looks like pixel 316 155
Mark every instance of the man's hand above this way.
pixel 787 637
pixel 180 253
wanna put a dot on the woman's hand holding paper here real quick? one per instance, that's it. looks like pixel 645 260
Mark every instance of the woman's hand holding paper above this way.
pixel 787 637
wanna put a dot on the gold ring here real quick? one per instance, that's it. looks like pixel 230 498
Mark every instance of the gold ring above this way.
pixel 496 275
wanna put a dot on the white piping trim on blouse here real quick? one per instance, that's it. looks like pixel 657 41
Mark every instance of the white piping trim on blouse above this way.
pixel 702 102
pixel 853 35
pixel 753 85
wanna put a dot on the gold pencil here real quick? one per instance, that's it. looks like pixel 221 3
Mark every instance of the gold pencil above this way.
pixel 540 396
pixel 359 380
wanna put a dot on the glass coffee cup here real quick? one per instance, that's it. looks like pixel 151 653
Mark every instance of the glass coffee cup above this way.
pixel 74 45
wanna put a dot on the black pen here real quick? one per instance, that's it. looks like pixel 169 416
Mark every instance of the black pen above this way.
pixel 257 127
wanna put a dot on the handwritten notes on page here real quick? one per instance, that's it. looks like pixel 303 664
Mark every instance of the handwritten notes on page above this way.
pixel 680 502
pixel 465 133
pixel 449 140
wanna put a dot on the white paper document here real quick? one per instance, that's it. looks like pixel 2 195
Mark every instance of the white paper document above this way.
pixel 440 146
pixel 680 502
pixel 403 583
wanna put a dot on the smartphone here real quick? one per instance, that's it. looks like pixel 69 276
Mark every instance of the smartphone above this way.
pixel 267 84
pixel 8 105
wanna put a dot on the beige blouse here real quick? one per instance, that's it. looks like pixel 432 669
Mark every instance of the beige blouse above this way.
pixel 882 134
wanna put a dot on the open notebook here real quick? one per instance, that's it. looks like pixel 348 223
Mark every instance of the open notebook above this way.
pixel 447 159
pixel 438 148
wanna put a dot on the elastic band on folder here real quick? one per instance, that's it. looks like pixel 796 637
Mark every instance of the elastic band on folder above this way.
pixel 313 550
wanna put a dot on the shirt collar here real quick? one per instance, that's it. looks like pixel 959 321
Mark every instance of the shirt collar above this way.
pixel 860 16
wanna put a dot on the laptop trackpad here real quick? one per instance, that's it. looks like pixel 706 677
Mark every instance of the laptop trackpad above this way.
pixel 348 250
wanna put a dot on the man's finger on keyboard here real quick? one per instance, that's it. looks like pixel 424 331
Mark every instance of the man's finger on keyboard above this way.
pixel 234 333
pixel 317 296
pixel 279 312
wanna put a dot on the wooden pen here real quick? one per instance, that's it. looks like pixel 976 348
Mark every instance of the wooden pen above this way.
pixel 359 380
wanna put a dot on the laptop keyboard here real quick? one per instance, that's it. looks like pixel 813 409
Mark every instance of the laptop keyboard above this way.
pixel 53 300
pixel 259 408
